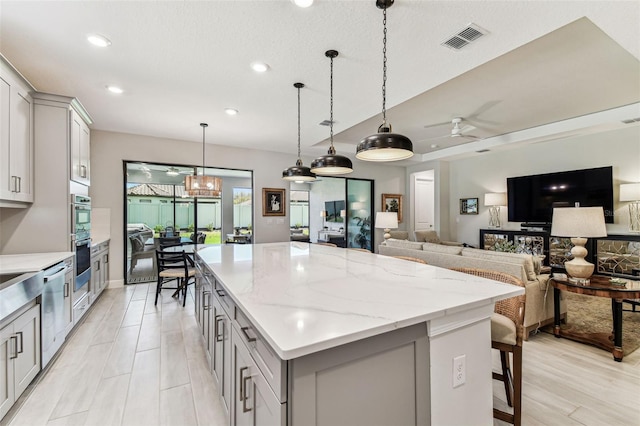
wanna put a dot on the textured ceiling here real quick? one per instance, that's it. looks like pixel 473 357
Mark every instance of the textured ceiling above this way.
pixel 181 63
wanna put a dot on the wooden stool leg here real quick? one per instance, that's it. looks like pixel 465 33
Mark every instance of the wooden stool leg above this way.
pixel 506 377
pixel 517 385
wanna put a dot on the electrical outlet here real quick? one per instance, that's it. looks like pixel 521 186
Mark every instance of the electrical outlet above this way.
pixel 459 370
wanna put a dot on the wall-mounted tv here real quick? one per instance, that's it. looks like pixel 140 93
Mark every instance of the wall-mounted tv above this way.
pixel 333 209
pixel 531 199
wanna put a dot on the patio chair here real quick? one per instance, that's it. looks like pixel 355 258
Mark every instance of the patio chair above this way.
pixel 139 251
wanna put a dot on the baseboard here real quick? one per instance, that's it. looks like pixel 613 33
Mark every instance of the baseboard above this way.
pixel 115 284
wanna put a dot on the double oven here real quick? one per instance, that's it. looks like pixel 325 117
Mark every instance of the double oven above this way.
pixel 81 243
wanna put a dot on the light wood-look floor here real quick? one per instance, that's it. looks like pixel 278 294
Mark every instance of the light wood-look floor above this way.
pixel 131 363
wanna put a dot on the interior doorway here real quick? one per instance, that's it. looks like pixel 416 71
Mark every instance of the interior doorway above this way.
pixel 424 200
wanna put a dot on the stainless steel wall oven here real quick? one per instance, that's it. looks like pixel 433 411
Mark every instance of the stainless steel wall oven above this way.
pixel 81 242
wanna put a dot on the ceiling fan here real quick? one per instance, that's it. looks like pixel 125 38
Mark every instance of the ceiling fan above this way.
pixel 460 132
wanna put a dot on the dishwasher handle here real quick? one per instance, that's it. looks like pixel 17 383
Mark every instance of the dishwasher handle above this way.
pixel 51 274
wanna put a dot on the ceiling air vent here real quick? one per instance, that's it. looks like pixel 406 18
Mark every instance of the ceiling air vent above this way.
pixel 470 33
pixel 480 151
pixel 631 120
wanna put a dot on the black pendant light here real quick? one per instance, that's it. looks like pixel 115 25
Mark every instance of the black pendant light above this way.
pixel 384 145
pixel 331 164
pixel 298 173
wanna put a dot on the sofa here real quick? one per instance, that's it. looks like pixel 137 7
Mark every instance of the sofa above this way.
pixel 538 292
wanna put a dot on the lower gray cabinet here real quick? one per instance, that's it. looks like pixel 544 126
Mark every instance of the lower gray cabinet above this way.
pixel 221 356
pixel 254 402
pixel 19 356
pixel 99 269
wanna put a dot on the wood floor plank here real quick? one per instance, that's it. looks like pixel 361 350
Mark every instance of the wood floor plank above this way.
pixel 208 405
pixel 150 332
pixel 79 419
pixel 173 360
pixel 140 292
pixel 109 401
pixel 123 352
pixel 133 315
pixel 143 399
pixel 176 407
pixel 82 386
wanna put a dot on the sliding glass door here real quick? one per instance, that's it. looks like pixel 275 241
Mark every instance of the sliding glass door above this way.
pixel 157 206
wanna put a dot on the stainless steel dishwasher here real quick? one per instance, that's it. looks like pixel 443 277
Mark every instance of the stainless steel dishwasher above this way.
pixel 53 315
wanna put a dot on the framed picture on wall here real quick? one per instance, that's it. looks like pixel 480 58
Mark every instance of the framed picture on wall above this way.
pixel 468 206
pixel 392 203
pixel 273 202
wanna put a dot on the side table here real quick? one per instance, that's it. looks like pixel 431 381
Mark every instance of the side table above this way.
pixel 599 286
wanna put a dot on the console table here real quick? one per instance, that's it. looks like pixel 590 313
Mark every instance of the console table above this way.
pixel 612 255
pixel 599 286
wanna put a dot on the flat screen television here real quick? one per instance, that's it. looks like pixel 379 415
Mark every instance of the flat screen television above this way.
pixel 531 199
pixel 333 209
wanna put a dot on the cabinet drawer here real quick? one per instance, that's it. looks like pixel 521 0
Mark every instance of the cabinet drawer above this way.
pixel 224 298
pixel 80 308
pixel 271 366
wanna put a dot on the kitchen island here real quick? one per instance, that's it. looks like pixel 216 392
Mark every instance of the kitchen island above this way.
pixel 307 334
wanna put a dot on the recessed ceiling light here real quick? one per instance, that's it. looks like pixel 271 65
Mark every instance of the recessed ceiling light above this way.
pixel 115 89
pixel 434 146
pixel 98 40
pixel 302 3
pixel 259 66
pixel 231 111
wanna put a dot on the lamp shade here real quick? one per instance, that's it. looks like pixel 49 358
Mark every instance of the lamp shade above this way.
pixel 583 222
pixel 384 146
pixel 386 220
pixel 630 192
pixel 495 199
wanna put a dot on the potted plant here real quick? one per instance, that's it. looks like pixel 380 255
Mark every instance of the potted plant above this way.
pixel 363 237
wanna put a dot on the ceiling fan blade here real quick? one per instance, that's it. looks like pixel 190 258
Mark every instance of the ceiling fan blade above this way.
pixel 447 123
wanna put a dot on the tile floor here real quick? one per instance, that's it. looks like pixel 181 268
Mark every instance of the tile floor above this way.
pixel 133 363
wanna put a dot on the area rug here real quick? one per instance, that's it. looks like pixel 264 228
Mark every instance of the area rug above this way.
pixel 590 314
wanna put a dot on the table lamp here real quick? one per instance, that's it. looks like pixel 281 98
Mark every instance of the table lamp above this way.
pixel 494 200
pixel 578 223
pixel 631 192
pixel 387 221
pixel 323 215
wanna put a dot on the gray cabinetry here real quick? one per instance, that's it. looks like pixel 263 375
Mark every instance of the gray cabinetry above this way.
pixel 99 269
pixel 19 355
pixel 221 355
pixel 80 140
pixel 16 139
pixel 254 402
pixel 69 281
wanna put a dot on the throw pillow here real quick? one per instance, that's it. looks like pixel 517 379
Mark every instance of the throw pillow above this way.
pixel 427 237
pixel 439 248
pixel 412 245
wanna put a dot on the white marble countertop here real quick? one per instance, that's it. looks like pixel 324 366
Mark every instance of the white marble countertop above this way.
pixel 19 263
pixel 99 239
pixel 304 298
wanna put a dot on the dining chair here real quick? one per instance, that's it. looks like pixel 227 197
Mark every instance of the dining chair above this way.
pixel 174 265
pixel 411 259
pixel 507 333
pixel 327 244
pixel 164 242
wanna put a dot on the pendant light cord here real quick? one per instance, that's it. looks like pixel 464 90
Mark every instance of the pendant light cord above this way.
pixel 299 124
pixel 204 126
pixel 384 65
pixel 331 104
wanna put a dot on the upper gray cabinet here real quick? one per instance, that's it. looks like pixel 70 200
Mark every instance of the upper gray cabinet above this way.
pixel 16 139
pixel 80 138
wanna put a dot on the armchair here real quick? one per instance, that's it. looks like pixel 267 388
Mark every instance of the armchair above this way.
pixel 140 251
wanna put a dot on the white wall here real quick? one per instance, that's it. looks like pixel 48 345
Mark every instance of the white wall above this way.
pixel 488 172
pixel 109 150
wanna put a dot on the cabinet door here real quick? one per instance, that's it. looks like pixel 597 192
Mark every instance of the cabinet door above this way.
pixel 21 144
pixel 6 181
pixel 95 276
pixel 16 143
pixel 105 269
pixel 254 403
pixel 220 358
pixel 7 352
pixel 27 364
pixel 79 152
pixel 68 307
